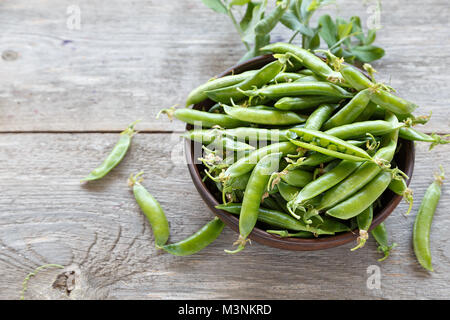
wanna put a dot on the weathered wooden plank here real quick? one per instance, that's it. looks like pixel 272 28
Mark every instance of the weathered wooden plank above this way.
pixel 129 60
pixel 97 231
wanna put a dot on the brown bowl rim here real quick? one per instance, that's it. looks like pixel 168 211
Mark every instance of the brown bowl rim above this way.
pixel 261 236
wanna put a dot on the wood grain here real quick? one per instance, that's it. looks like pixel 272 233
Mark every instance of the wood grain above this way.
pixel 97 230
pixel 63 95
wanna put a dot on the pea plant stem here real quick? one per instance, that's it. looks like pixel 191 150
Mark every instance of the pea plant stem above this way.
pixel 238 28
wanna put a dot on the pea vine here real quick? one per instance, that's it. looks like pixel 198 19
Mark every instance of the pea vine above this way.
pixel 344 38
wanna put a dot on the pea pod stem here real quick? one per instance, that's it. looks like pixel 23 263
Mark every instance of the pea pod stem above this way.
pixel 380 234
pixel 364 220
pixel 415 135
pixel 400 187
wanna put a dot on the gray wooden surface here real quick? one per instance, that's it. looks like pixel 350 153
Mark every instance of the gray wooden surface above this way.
pixel 64 95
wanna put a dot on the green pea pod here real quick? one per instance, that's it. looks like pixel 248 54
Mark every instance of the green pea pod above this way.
pixel 297 178
pixel 400 187
pixel 414 135
pixel 422 223
pixel 304 103
pixel 350 111
pixel 257 134
pixel 362 199
pixel 355 78
pixel 320 116
pixel 199 94
pixel 331 225
pixel 268 116
pixel 214 138
pixel 306 72
pixel 380 113
pixel 287 234
pixel 238 182
pixel 247 163
pixel 270 217
pixel 367 113
pixel 322 184
pixel 269 203
pixel 287 191
pixel 115 156
pixel 152 210
pixel 254 191
pixel 391 102
pixel 379 233
pixel 280 201
pixel 315 159
pixel 198 241
pixel 269 22
pixel 308 79
pixel 234 93
pixel 308 59
pixel 227 144
pixel 282 220
pixel 286 77
pixel 293 89
pixel 364 174
pixel 202 118
pixel 327 144
pixel 364 220
pixel 203 136
pixel 411 120
pixel 360 129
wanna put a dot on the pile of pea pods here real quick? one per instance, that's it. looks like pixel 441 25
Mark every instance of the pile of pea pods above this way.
pixel 303 145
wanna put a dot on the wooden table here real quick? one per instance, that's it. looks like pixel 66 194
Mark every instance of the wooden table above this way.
pixel 66 93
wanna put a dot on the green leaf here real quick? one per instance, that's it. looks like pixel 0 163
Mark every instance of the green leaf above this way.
pixel 344 30
pixel 295 8
pixel 247 16
pixel 313 42
pixel 216 5
pixel 257 15
pixel 327 30
pixel 269 22
pixel 371 35
pixel 357 28
pixel 367 53
pixel 238 3
pixel 305 13
pixel 290 21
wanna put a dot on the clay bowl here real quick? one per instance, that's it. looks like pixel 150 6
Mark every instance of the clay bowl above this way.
pixel 404 160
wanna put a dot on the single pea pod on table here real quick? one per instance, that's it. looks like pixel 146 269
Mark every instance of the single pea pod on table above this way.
pixel 115 156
